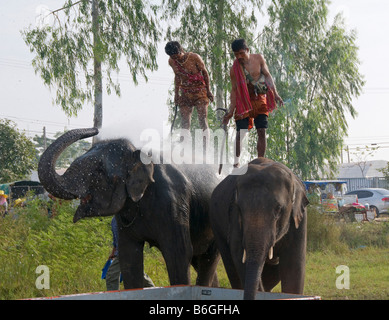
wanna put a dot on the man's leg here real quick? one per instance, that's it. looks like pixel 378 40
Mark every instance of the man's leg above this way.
pixel 240 125
pixel 202 112
pixel 261 143
pixel 186 115
pixel 261 123
pixel 113 275
pixel 147 282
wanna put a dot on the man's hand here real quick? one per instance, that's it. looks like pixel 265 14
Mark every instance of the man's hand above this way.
pixel 112 254
pixel 177 99
pixel 210 96
pixel 227 117
pixel 278 99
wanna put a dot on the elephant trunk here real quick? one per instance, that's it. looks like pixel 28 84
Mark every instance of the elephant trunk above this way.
pixel 53 182
pixel 258 241
pixel 253 281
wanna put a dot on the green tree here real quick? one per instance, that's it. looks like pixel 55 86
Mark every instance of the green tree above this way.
pixel 208 27
pixel 70 153
pixel 17 153
pixel 385 171
pixel 315 66
pixel 87 39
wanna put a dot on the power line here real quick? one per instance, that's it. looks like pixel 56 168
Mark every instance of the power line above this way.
pixel 364 144
pixel 42 122
pixel 156 80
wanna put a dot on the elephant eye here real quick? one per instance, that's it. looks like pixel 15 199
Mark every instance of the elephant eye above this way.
pixel 277 211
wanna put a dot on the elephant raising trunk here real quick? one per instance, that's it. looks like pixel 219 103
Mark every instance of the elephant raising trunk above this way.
pixel 55 184
pixel 162 204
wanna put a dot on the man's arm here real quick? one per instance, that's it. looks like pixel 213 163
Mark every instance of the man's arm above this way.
pixel 230 112
pixel 269 80
pixel 177 82
pixel 112 254
pixel 201 66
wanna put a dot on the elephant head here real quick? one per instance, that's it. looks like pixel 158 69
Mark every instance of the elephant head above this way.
pixel 272 201
pixel 259 221
pixel 103 178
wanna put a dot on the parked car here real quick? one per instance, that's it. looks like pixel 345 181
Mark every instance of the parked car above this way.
pixel 377 198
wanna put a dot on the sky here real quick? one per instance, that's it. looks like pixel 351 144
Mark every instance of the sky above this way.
pixel 26 101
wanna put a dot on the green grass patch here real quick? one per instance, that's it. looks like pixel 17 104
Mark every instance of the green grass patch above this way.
pixel 369 274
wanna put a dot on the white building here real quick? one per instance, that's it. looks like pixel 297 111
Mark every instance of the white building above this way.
pixel 363 175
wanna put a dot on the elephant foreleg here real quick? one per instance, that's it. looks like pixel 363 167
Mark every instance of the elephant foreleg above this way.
pixel 206 265
pixel 131 263
pixel 292 277
pixel 232 266
pixel 292 265
pixel 270 277
pixel 177 255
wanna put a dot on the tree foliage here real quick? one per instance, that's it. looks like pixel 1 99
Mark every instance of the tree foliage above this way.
pixel 66 48
pixel 385 171
pixel 17 153
pixel 315 67
pixel 72 152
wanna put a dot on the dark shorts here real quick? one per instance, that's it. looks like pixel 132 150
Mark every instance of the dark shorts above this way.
pixel 260 122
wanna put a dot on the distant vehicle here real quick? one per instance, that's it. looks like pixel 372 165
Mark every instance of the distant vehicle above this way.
pixel 377 198
pixel 19 189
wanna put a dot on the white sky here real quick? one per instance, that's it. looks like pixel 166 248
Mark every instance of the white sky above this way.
pixel 25 100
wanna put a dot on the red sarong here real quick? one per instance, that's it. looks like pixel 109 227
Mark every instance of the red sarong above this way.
pixel 270 100
pixel 243 104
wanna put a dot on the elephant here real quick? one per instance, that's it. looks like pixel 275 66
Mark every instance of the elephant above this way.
pixel 165 205
pixel 260 224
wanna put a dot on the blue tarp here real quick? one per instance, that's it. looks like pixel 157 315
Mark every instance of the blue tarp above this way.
pixel 323 183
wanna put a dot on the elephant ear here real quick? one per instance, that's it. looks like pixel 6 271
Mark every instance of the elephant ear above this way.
pixel 139 176
pixel 300 202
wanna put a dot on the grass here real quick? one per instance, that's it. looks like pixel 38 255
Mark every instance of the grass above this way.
pixel 369 274
pixel 76 253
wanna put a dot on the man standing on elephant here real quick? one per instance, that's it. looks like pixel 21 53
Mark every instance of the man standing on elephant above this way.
pixel 191 84
pixel 253 95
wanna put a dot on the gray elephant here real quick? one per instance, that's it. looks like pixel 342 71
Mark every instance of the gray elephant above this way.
pixel 260 224
pixel 164 205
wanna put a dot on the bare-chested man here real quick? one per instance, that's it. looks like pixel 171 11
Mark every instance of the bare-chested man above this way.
pixel 251 102
pixel 191 84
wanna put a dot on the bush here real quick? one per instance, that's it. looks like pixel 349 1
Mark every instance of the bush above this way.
pixel 74 253
pixel 373 234
pixel 326 232
pixel 323 232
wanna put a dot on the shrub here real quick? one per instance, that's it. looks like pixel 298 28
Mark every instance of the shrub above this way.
pixel 326 232
pixel 74 253
pixel 323 232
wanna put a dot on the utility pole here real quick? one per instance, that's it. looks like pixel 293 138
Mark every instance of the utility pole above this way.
pixel 44 139
pixel 97 77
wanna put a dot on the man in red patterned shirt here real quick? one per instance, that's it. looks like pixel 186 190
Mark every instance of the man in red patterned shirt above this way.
pixel 191 84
